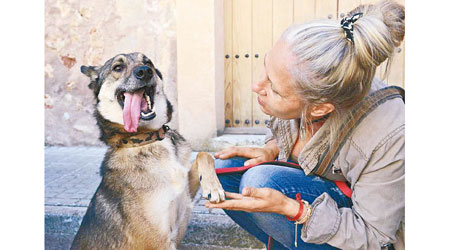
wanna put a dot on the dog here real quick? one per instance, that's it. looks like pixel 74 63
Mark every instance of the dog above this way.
pixel 144 200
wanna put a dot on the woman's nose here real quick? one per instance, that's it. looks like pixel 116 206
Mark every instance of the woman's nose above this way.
pixel 258 87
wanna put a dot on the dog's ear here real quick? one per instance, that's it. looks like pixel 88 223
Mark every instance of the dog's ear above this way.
pixel 159 73
pixel 92 73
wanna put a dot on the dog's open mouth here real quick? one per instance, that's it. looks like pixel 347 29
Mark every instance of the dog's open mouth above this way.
pixel 137 105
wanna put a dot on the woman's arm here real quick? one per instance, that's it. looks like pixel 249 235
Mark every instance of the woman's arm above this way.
pixel 378 204
pixel 268 153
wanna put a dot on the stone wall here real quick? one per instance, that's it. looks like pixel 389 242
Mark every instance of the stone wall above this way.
pixel 89 33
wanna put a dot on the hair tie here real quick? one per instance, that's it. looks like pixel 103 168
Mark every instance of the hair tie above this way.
pixel 347 25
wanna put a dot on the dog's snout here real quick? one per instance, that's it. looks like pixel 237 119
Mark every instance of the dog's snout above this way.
pixel 142 72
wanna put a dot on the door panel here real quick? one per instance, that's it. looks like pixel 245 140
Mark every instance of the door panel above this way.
pixel 242 65
pixel 261 43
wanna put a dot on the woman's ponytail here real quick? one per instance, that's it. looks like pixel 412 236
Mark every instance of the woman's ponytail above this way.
pixel 378 31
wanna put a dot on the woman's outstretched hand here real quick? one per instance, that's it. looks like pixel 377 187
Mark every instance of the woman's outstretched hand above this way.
pixel 255 155
pixel 266 200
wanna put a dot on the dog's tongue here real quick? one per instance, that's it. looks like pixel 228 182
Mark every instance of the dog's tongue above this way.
pixel 132 110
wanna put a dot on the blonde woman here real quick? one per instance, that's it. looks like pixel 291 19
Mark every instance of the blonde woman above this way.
pixel 313 79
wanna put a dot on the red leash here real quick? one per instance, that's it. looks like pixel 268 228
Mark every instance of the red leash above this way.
pixel 342 185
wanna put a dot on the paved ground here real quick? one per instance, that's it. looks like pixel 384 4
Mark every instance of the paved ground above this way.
pixel 71 178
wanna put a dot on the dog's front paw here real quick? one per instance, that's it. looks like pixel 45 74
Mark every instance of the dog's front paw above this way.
pixel 211 187
pixel 212 190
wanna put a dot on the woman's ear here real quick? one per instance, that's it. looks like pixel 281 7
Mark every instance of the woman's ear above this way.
pixel 322 109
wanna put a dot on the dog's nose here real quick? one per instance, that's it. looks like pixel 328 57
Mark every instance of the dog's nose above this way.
pixel 142 72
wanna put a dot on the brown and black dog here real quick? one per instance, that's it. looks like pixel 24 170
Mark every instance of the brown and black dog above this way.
pixel 145 196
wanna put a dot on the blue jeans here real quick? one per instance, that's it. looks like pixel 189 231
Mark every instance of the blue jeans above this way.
pixel 289 181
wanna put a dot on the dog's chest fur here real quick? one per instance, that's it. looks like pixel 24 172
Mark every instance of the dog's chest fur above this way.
pixel 169 202
pixel 159 178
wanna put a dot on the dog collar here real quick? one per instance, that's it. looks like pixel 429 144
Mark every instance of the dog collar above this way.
pixel 143 138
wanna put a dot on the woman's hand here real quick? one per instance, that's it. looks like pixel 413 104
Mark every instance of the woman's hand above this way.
pixel 266 200
pixel 256 155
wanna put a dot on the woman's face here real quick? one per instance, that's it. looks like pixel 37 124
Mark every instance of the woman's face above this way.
pixel 276 93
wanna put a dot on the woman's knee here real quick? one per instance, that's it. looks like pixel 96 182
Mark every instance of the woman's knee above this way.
pixel 260 176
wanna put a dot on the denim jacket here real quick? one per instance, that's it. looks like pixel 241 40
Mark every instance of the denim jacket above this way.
pixel 372 160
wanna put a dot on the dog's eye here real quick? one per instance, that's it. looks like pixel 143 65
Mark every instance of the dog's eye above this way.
pixel 118 68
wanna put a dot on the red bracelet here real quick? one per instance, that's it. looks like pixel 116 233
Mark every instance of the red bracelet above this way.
pixel 300 209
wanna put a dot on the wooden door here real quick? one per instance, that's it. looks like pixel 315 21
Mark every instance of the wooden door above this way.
pixel 251 29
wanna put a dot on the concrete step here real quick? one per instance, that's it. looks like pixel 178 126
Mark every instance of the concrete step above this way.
pixel 227 140
pixel 71 178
